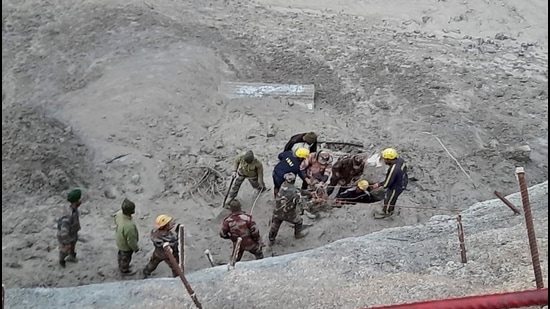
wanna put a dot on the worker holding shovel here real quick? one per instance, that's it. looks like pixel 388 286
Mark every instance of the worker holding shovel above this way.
pixel 247 166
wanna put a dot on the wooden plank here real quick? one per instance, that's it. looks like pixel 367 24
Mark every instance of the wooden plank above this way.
pixel 299 93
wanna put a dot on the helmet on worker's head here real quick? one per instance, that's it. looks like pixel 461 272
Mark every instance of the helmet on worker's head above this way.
pixel 310 137
pixel 128 207
pixel 289 177
pixel 389 154
pixel 301 153
pixel 163 220
pixel 248 157
pixel 324 157
pixel 363 184
pixel 234 205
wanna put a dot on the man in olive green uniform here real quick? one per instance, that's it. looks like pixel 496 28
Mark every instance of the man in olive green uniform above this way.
pixel 246 166
pixel 68 226
pixel 126 236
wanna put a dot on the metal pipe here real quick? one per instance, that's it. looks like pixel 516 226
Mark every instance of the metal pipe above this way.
pixel 172 260
pixel 181 244
pixel 507 202
pixel 461 239
pixel 235 253
pixel 520 172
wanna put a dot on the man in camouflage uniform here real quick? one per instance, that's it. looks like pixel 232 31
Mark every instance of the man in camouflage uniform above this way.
pixel 160 235
pixel 246 166
pixel 287 209
pixel 240 224
pixel 68 226
pixel 318 167
pixel 127 236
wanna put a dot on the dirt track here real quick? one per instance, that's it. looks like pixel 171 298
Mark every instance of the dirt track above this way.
pixel 84 84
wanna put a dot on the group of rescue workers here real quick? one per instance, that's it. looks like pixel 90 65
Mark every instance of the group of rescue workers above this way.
pixel 321 177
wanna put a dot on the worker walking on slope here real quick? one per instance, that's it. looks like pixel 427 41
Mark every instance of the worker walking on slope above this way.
pixel 395 182
pixel 287 208
pixel 68 226
pixel 159 236
pixel 289 162
pixel 247 166
pixel 302 140
pixel 127 236
pixel 240 224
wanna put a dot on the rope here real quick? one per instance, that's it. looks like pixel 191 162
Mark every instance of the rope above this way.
pixel 320 198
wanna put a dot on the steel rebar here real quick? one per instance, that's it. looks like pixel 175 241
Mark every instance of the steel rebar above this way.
pixel 461 239
pixel 507 202
pixel 175 265
pixel 181 244
pixel 520 172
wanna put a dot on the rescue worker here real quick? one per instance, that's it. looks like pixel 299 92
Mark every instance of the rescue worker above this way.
pixel 358 194
pixel 395 182
pixel 127 236
pixel 246 166
pixel 289 162
pixel 287 209
pixel 68 226
pixel 302 140
pixel 163 234
pixel 240 224
pixel 346 171
pixel 318 167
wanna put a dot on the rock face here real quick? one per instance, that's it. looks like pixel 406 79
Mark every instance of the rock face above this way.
pixel 395 265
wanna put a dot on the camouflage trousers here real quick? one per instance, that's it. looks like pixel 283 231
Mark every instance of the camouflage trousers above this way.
pixel 65 251
pixel 158 257
pixel 276 222
pixel 254 249
pixel 124 259
pixel 239 181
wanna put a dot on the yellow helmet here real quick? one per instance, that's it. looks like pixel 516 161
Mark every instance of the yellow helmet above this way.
pixel 363 185
pixel 302 153
pixel 162 220
pixel 389 154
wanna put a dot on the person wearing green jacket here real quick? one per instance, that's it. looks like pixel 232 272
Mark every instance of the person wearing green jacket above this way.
pixel 247 166
pixel 127 236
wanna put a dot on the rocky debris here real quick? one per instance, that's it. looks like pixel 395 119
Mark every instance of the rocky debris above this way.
pixel 520 154
pixel 111 192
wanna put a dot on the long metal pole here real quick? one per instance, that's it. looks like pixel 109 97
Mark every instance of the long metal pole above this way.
pixel 508 300
pixel 507 202
pixel 172 259
pixel 181 238
pixel 520 172
pixel 461 239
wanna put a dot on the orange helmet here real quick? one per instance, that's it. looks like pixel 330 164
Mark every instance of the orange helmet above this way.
pixel 163 220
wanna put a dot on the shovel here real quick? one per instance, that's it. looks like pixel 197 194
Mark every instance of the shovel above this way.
pixel 225 212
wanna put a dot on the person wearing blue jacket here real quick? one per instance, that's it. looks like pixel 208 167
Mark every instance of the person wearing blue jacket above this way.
pixel 289 162
pixel 395 182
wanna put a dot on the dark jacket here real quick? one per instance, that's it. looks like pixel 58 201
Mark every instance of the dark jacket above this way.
pixel 299 138
pixel 68 226
pixel 355 195
pixel 396 177
pixel 288 163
